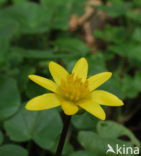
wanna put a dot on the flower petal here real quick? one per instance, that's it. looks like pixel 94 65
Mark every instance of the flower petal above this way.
pixel 58 72
pixel 69 107
pixel 106 98
pixel 93 108
pixel 81 69
pixel 46 83
pixel 45 101
pixel 98 79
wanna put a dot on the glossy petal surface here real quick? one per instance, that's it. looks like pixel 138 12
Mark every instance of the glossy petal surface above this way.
pixel 58 72
pixel 69 107
pixel 106 98
pixel 46 83
pixel 96 80
pixel 45 101
pixel 93 108
pixel 80 69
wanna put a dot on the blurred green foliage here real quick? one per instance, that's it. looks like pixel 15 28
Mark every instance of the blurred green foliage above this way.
pixel 34 33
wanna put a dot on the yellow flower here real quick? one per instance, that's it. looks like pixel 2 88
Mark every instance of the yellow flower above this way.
pixel 73 91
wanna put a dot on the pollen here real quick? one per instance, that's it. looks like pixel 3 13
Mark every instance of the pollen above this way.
pixel 73 88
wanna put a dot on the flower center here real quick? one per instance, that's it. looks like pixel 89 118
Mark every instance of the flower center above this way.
pixel 73 88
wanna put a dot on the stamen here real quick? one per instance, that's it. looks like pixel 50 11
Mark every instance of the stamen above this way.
pixel 73 88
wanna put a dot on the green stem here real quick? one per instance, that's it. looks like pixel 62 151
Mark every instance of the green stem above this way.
pixel 63 135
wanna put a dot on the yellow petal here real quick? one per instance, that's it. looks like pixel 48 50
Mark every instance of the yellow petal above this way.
pixel 46 83
pixel 93 108
pixel 69 107
pixel 105 98
pixel 45 101
pixel 58 72
pixel 98 79
pixel 81 69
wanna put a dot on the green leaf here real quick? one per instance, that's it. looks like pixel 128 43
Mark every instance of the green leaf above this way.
pixel 3 2
pixel 41 126
pixel 96 63
pixel 1 137
pixel 130 50
pixel 113 85
pixel 80 153
pixel 78 7
pixel 108 133
pixel 137 3
pixel 12 150
pixel 40 54
pixel 32 17
pixel 10 98
pixel 93 143
pixel 19 1
pixel 137 35
pixel 59 12
pixel 96 145
pixel 137 81
pixel 4 45
pixel 69 7
pixel 126 88
pixel 33 89
pixel 84 121
pixel 8 27
pixel 68 45
pixel 114 10
pixel 112 34
pixel 23 76
pixel 135 16
pixel 67 149
pixel 60 17
pixel 110 129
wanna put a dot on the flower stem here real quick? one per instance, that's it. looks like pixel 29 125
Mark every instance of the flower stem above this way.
pixel 63 134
